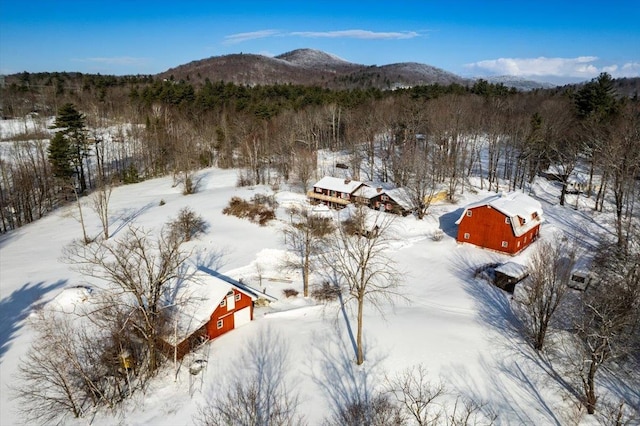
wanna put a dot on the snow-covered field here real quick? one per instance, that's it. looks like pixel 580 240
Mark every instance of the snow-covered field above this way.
pixel 460 328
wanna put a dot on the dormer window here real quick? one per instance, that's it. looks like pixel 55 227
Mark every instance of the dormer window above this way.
pixel 534 215
pixel 507 220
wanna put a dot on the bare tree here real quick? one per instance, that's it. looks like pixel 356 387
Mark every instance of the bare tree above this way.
pixel 141 268
pixel 550 267
pixel 417 395
pixel 258 394
pixel 361 262
pixel 304 235
pixel 100 204
pixel 608 326
pixel 65 371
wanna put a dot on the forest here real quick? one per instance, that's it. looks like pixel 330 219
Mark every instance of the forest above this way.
pixel 118 130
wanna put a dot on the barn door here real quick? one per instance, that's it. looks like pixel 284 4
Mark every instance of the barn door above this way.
pixel 242 317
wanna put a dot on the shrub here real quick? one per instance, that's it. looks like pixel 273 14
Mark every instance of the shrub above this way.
pixel 187 225
pixel 437 235
pixel 326 292
pixel 290 292
pixel 259 210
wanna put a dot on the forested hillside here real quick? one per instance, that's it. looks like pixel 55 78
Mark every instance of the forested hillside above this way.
pixel 420 137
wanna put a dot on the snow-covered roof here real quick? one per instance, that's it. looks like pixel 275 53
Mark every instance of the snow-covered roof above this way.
pixel 512 269
pixel 400 196
pixel 338 184
pixel 197 298
pixel 514 205
pixel 367 192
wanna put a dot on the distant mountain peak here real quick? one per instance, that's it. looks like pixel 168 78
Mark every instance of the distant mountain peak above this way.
pixel 312 57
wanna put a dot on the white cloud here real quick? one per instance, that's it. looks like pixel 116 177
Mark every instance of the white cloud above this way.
pixel 359 34
pixel 253 35
pixel 581 67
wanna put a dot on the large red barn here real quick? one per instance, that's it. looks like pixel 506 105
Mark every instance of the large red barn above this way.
pixel 504 222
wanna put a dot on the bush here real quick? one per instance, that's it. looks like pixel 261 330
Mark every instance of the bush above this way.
pixel 290 292
pixel 260 210
pixel 188 225
pixel 437 235
pixel 326 292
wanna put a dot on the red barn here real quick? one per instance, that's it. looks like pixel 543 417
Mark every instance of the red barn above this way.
pixel 207 306
pixel 504 222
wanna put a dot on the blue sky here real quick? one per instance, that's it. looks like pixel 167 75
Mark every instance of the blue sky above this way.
pixel 543 40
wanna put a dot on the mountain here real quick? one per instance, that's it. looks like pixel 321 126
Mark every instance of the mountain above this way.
pixel 519 82
pixel 309 67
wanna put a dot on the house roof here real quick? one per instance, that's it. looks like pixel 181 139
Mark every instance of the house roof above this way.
pixel 338 184
pixel 514 205
pixel 367 192
pixel 400 196
pixel 197 298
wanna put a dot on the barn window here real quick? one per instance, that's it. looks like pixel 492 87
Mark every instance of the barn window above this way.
pixel 525 238
pixel 469 213
pixel 507 220
pixel 223 302
pixel 238 297
pixel 505 244
pixel 466 236
pixel 518 243
pixel 534 215
pixel 219 324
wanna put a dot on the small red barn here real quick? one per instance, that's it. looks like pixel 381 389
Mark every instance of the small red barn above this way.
pixel 504 222
pixel 208 305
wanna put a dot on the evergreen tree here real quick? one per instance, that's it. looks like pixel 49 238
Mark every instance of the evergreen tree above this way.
pixel 73 130
pixel 60 156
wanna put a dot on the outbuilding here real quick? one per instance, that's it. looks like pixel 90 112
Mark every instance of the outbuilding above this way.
pixel 208 305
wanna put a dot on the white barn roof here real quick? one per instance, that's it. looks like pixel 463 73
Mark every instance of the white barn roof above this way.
pixel 514 205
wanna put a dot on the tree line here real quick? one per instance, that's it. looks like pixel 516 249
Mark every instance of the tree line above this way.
pixel 421 138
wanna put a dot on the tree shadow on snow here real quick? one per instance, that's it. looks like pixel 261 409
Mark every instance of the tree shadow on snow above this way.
pixel 448 222
pixel 495 310
pixel 15 308
pixel 127 216
pixel 334 370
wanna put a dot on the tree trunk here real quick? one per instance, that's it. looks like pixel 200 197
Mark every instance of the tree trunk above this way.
pixel 360 351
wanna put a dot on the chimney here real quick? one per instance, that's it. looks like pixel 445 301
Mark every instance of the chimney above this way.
pixel 379 189
pixel 347 180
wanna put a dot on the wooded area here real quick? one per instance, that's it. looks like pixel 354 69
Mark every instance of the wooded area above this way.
pixel 126 129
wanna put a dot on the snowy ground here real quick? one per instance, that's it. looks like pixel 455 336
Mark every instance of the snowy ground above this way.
pixel 460 328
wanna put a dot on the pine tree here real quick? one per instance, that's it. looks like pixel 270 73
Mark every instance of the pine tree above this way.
pixel 73 131
pixel 60 156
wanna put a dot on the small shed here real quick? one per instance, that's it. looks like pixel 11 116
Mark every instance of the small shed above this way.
pixel 508 274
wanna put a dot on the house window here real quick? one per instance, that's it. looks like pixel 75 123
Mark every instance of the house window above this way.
pixel 345 195
pixel 505 244
pixel 332 193
pixel 507 220
pixel 223 302
pixel 219 324
pixel 469 213
pixel 318 190
pixel 384 198
pixel 534 215
pixel 466 236
pixel 238 297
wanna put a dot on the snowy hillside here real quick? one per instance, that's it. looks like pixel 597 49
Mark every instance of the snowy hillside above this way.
pixel 460 328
